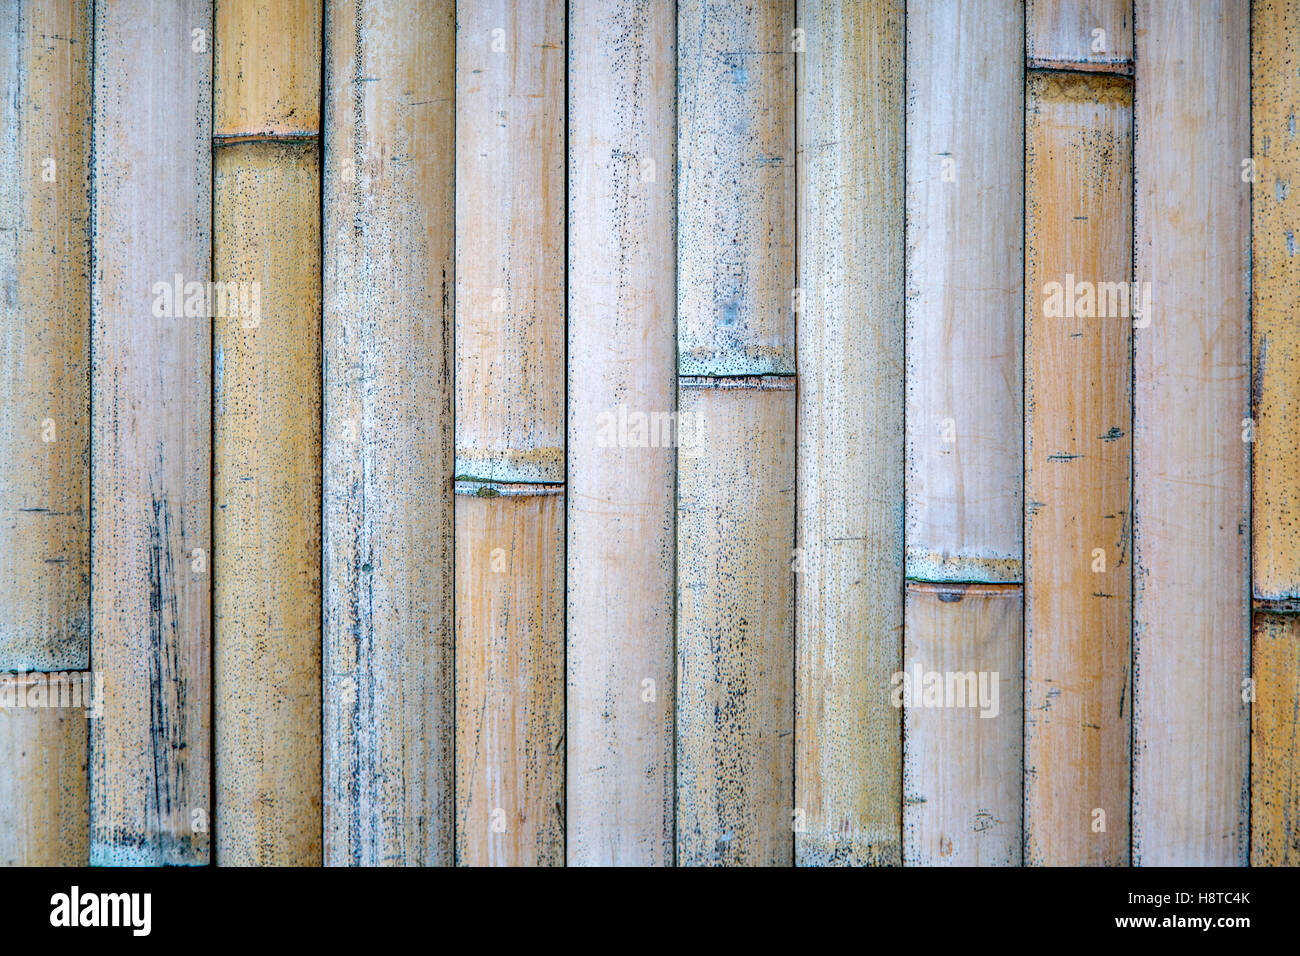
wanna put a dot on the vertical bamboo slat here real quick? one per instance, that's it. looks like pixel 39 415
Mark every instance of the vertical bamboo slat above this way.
pixel 1191 467
pixel 267 434
pixel 1275 398
pixel 509 676
pixel 510 229
pixel 44 335
pixel 1274 754
pixel 735 609
pixel 388 511
pixel 849 593
pixel 510 233
pixel 1093 35
pixel 965 180
pixel 622 361
pixel 1078 411
pixel 736 216
pixel 44 809
pixel 151 362
pixel 961 768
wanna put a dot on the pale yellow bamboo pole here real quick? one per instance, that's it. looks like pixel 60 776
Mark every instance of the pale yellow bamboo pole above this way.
pixel 151 348
pixel 736 295
pixel 965 180
pixel 964 207
pixel 621 461
pixel 849 586
pixel 509 675
pixel 388 431
pixel 960 689
pixel 510 70
pixel 267 433
pixel 44 335
pixel 44 808
pixel 1191 600
pixel 735 618
pixel 1086 35
pixel 1078 413
pixel 1275 409
pixel 510 377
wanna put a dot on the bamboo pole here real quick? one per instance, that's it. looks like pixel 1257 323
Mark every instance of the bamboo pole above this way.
pixel 735 95
pixel 510 227
pixel 1088 35
pixel 151 431
pixel 964 209
pixel 44 809
pixel 735 618
pixel 44 335
pixel 622 354
pixel 962 725
pixel 1275 766
pixel 849 593
pixel 735 500
pixel 1191 465
pixel 388 506
pixel 267 434
pixel 1078 412
pixel 509 675
pixel 510 231
pixel 965 182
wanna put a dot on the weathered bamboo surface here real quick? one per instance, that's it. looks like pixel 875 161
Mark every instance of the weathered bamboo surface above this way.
pixel 1093 35
pixel 45 334
pixel 151 432
pixel 44 808
pixel 510 229
pixel 735 199
pixel 960 690
pixel 621 474
pixel 267 72
pixel 1274 754
pixel 1191 466
pixel 1275 277
pixel 735 620
pixel 388 511
pixel 1078 412
pixel 965 181
pixel 266 507
pixel 509 675
pixel 849 589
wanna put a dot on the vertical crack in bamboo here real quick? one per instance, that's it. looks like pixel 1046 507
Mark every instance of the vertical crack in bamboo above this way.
pixel 849 584
pixel 387 508
pixel 622 432
pixel 1191 600
pixel 151 431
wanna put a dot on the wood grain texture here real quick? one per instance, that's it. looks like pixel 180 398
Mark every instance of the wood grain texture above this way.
pixel 151 434
pixel 849 594
pixel 1063 34
pixel 965 179
pixel 961 769
pixel 267 76
pixel 388 511
pixel 510 229
pixel 1275 287
pixel 1078 413
pixel 622 361
pixel 735 623
pixel 735 200
pixel 266 507
pixel 45 334
pixel 44 807
pixel 509 676
pixel 1191 598
pixel 1274 749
